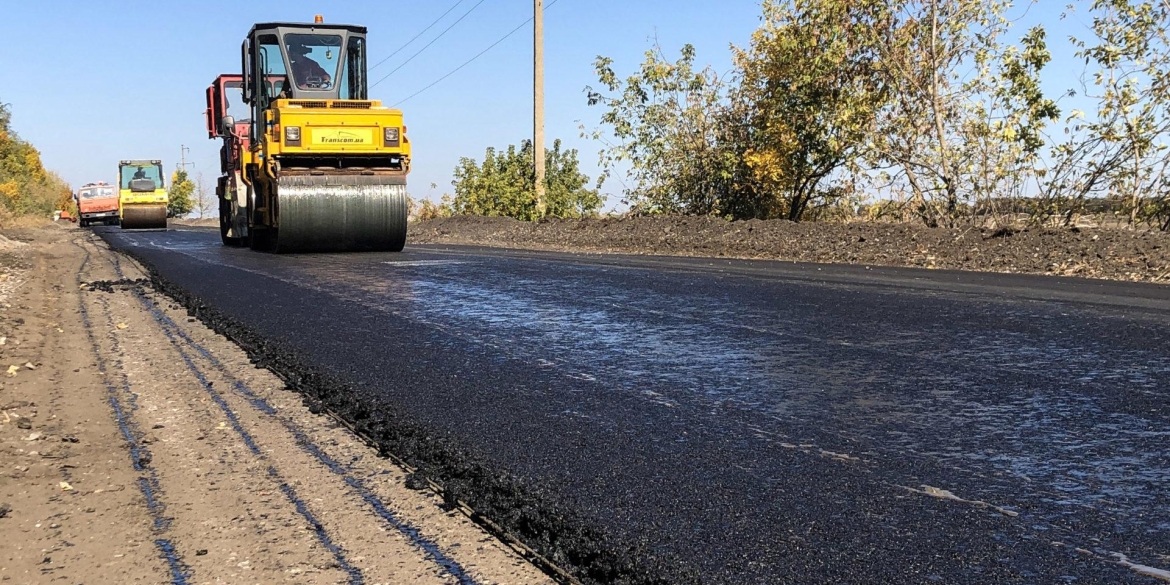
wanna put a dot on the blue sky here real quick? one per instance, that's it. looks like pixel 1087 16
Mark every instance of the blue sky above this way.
pixel 94 82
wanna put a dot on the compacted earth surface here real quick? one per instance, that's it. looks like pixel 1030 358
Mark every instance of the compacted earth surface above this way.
pixel 1118 254
pixel 136 446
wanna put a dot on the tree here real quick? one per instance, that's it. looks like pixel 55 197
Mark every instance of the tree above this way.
pixel 921 98
pixel 1006 129
pixel 504 184
pixel 966 117
pixel 767 144
pixel 428 209
pixel 26 187
pixel 179 202
pixel 667 120
pixel 205 201
pixel 66 200
pixel 808 97
pixel 1122 151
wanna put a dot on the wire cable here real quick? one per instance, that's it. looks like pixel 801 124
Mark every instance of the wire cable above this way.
pixel 415 37
pixel 469 61
pixel 425 47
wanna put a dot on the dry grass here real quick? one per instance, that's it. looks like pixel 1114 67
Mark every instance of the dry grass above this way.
pixel 10 220
pixel 25 222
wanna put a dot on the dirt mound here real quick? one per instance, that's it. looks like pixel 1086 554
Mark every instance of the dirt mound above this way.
pixel 1098 253
pixel 8 245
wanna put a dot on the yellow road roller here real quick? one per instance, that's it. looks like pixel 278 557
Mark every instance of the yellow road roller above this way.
pixel 142 196
pixel 323 166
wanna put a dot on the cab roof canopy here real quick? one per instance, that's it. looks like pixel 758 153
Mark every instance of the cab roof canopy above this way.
pixel 306 25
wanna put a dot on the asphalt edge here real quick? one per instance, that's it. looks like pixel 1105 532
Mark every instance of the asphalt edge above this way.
pixel 566 546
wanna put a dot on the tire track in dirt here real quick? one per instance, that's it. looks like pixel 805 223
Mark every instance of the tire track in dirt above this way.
pixel 70 505
pixel 180 340
pixel 202 507
pixel 355 574
pixel 364 505
pixel 148 479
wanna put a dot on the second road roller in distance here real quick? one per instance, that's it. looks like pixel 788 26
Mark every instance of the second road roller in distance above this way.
pixel 316 165
pixel 142 195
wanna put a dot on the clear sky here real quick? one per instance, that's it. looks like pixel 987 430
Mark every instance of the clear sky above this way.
pixel 94 82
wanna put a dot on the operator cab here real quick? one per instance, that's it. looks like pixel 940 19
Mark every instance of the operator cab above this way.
pixel 140 176
pixel 319 62
pixel 97 190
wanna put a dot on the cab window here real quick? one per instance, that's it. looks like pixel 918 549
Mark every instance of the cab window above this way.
pixel 353 81
pixel 133 172
pixel 271 62
pixel 96 192
pixel 233 97
pixel 313 59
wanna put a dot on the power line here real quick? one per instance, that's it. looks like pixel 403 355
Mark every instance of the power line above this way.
pixel 445 31
pixel 469 61
pixel 415 37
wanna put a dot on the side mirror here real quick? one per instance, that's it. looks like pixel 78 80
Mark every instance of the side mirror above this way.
pixel 227 126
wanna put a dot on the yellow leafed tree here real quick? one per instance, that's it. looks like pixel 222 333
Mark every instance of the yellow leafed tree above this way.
pixel 26 187
pixel 808 98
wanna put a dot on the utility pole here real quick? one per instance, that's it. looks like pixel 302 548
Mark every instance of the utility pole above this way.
pixel 183 150
pixel 538 105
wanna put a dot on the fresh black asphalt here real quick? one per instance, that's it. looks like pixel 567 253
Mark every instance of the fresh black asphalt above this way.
pixel 738 421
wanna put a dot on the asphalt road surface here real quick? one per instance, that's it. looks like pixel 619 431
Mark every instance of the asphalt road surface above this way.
pixel 758 422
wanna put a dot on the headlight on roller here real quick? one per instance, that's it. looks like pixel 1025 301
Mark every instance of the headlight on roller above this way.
pixel 391 136
pixel 292 134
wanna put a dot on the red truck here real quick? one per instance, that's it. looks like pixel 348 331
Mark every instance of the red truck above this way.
pixel 97 203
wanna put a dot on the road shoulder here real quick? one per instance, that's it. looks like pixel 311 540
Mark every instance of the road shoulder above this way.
pixel 162 454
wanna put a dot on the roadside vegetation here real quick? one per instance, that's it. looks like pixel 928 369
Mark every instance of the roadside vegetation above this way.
pixel 928 111
pixel 504 185
pixel 27 189
pixel 923 111
pixel 179 201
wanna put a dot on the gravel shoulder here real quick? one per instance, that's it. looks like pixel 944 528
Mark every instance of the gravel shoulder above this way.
pixel 1116 254
pixel 140 447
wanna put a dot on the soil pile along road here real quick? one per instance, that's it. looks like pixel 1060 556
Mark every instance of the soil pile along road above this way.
pixel 1097 253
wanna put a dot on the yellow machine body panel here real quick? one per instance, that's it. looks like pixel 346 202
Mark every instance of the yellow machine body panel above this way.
pixel 156 197
pixel 348 127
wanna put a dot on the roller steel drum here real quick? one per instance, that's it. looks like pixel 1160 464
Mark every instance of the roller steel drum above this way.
pixel 327 213
pixel 144 217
